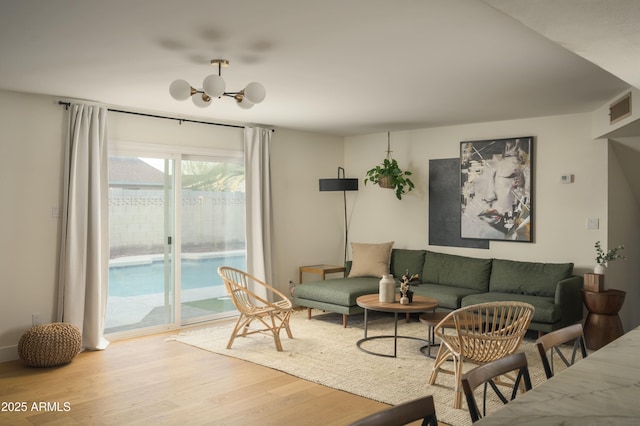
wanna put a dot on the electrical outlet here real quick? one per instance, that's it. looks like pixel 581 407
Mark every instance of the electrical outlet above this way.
pixel 35 319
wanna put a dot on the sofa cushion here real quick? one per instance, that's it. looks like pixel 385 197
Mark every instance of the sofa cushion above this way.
pixel 536 279
pixel 546 310
pixel 457 271
pixel 403 261
pixel 338 291
pixel 448 297
pixel 370 260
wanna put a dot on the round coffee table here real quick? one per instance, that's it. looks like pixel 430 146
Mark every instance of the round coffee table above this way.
pixel 372 302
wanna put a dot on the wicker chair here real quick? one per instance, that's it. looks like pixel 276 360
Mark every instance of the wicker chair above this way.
pixel 481 333
pixel 550 343
pixel 271 316
pixel 419 409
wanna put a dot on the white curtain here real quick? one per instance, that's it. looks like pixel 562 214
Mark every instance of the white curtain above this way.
pixel 257 143
pixel 84 251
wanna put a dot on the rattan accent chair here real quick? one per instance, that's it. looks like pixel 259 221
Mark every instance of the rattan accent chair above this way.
pixel 419 409
pixel 490 375
pixel 270 316
pixel 550 343
pixel 481 333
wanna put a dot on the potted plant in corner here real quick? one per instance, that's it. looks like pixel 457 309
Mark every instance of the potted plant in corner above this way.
pixel 390 175
pixel 602 258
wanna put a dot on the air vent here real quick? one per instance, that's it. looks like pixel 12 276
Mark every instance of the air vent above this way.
pixel 620 109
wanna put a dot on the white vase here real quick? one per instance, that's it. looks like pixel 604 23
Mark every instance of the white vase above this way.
pixel 600 269
pixel 387 293
pixel 404 300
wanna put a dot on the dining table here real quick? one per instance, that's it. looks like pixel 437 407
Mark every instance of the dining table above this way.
pixel 601 389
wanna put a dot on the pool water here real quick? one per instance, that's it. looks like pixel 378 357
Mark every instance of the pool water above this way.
pixel 137 280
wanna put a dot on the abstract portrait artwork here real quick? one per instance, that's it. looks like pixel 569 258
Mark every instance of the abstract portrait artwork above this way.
pixel 496 187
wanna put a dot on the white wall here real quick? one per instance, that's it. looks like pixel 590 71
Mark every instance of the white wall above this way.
pixel 624 229
pixel 562 144
pixel 31 154
pixel 308 224
pixel 32 130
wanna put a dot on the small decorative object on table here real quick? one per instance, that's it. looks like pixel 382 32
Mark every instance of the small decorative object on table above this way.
pixel 387 291
pixel 405 288
pixel 602 258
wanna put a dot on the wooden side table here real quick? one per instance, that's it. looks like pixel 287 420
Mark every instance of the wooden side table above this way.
pixel 603 324
pixel 321 270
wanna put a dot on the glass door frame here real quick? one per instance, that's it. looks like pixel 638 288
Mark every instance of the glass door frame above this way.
pixel 217 158
pixel 175 154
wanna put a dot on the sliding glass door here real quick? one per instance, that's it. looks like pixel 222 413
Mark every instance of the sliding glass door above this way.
pixel 212 234
pixel 173 219
pixel 141 263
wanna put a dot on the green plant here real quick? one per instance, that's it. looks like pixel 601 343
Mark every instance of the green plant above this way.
pixel 396 178
pixel 610 255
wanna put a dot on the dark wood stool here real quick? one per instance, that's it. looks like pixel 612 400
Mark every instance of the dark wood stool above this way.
pixel 603 324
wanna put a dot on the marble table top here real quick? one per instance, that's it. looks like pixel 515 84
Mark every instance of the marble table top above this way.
pixel 602 389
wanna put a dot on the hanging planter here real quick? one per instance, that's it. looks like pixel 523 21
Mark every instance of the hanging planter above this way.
pixel 385 182
pixel 390 175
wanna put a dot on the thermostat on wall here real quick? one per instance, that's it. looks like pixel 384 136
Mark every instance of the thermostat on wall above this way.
pixel 566 178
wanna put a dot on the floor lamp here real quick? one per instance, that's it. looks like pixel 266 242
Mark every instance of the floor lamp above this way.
pixel 341 184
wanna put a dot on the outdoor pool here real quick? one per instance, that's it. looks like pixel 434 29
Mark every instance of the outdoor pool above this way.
pixel 147 277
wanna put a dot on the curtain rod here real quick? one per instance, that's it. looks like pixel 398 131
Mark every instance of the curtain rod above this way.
pixel 181 120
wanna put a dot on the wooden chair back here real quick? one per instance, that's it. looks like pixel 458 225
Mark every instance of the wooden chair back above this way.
pixel 488 374
pixel 419 409
pixel 551 343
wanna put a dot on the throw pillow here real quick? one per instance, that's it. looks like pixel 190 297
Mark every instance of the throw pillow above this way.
pixel 370 260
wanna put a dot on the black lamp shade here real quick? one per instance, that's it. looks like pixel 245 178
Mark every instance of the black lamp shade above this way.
pixel 340 184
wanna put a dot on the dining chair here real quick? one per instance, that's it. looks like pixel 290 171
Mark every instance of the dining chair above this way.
pixel 419 409
pixel 271 317
pixel 490 374
pixel 551 343
pixel 480 334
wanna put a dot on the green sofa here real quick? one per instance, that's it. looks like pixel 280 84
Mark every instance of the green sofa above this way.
pixel 457 281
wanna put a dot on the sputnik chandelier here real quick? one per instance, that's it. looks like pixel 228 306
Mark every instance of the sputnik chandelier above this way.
pixel 213 86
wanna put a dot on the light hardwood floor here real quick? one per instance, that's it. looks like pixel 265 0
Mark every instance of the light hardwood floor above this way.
pixel 148 380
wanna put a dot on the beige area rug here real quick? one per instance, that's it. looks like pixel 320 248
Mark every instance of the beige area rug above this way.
pixel 324 352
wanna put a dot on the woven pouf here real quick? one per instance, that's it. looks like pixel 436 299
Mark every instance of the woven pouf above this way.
pixel 47 345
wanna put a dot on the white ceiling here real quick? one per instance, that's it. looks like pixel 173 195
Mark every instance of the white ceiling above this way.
pixel 331 66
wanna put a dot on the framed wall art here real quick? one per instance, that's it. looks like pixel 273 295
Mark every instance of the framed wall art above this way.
pixel 496 178
pixel 444 206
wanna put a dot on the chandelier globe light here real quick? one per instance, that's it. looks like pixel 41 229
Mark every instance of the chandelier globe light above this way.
pixel 214 86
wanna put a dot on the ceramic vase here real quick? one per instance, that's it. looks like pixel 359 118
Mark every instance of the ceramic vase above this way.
pixel 600 269
pixel 404 300
pixel 387 293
